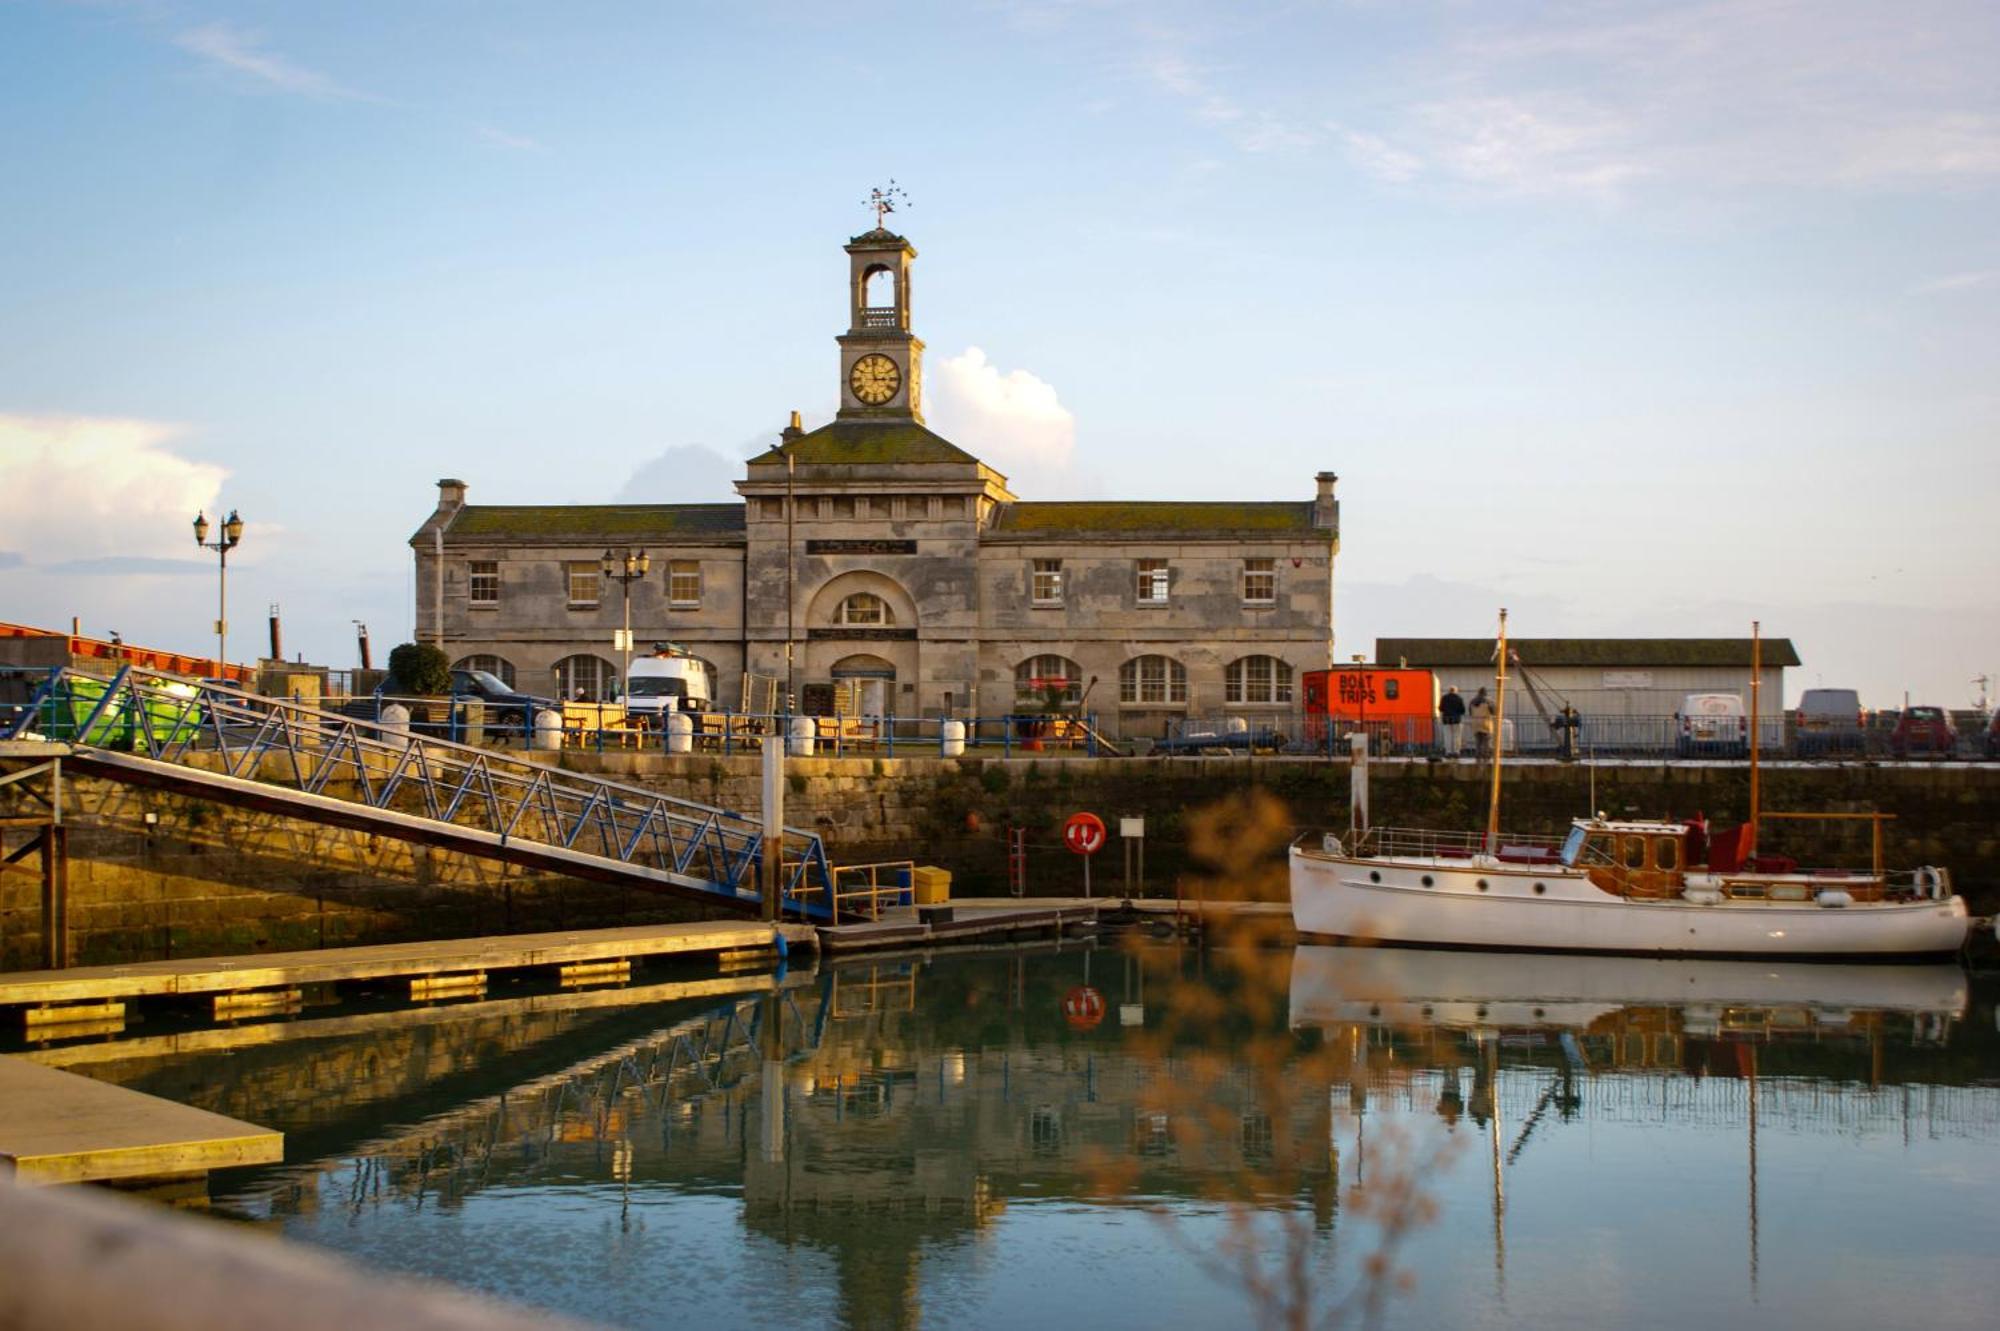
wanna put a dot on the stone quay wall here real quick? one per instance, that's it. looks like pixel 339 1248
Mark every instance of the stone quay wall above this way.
pixel 198 878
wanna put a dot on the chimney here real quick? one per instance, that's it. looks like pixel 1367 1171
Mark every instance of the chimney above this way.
pixel 796 430
pixel 451 495
pixel 1326 509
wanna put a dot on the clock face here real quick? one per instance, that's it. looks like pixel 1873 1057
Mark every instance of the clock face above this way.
pixel 874 379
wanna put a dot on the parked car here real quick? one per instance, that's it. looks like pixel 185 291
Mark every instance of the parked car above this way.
pixel 507 708
pixel 1712 725
pixel 1829 721
pixel 1923 730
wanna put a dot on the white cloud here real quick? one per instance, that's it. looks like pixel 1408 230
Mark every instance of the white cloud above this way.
pixel 1984 277
pixel 86 488
pixel 519 142
pixel 1011 420
pixel 239 52
pixel 1379 158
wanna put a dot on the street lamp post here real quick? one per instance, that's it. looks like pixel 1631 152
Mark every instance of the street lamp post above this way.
pixel 227 537
pixel 628 566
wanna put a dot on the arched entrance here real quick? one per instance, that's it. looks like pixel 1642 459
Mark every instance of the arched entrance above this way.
pixel 861 633
pixel 873 677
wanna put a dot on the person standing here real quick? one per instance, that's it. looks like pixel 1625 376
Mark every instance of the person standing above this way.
pixel 1451 711
pixel 1481 712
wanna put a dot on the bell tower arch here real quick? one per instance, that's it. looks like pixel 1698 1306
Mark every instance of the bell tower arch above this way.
pixel 881 360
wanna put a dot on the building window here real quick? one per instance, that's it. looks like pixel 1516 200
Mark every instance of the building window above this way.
pixel 771 510
pixel 1152 679
pixel 583 577
pixel 497 666
pixel 484 582
pixel 1039 676
pixel 1152 582
pixel 1256 679
pixel 586 678
pixel 864 609
pixel 955 506
pixel 1047 586
pixel 1260 581
pixel 843 507
pixel 684 584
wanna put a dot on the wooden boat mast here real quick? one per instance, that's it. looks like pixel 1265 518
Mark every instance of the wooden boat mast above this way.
pixel 1499 735
pixel 1756 682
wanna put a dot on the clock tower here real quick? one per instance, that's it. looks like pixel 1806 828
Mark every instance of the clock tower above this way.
pixel 881 361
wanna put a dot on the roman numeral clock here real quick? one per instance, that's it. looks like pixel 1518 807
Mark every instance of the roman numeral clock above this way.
pixel 881 361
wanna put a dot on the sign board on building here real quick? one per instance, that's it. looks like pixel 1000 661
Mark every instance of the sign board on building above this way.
pixel 1628 679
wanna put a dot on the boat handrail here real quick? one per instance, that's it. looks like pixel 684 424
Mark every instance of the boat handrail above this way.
pixel 1434 843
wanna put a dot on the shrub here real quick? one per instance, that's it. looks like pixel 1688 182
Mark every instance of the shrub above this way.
pixel 419 668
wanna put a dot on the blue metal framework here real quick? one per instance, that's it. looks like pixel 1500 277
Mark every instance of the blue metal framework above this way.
pixel 268 746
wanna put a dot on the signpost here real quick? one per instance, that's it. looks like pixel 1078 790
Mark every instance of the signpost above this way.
pixel 1085 835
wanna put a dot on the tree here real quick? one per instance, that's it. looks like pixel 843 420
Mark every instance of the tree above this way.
pixel 419 668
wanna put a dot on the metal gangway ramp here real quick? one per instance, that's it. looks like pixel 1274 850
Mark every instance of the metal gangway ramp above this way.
pixel 211 740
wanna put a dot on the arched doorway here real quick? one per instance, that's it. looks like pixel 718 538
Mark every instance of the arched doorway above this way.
pixel 873 678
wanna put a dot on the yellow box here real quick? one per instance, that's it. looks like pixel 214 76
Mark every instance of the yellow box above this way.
pixel 929 885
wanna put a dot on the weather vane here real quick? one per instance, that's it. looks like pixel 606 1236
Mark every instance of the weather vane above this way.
pixel 884 201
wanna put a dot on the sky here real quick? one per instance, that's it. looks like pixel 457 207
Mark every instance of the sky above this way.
pixel 1639 319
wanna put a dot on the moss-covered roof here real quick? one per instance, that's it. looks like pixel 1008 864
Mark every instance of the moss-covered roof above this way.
pixel 1627 653
pixel 866 443
pixel 1202 518
pixel 624 522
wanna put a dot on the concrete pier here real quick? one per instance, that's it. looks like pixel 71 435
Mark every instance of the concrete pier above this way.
pixel 57 1127
pixel 44 991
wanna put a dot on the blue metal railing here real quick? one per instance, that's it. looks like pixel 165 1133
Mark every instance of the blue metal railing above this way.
pixel 215 727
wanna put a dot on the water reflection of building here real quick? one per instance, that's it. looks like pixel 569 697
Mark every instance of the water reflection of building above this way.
pixel 887 1115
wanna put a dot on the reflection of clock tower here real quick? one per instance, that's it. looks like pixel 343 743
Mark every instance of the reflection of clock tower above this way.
pixel 881 361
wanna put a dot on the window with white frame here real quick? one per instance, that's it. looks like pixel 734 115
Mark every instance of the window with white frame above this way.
pixel 684 584
pixel 1257 679
pixel 583 578
pixel 586 678
pixel 864 609
pixel 483 582
pixel 497 666
pixel 1152 679
pixel 1046 586
pixel 1037 676
pixel 1153 579
pixel 1260 581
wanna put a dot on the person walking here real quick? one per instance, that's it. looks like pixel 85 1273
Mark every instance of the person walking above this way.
pixel 1481 712
pixel 1451 711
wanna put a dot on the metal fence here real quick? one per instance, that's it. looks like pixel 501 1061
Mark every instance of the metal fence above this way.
pixel 1590 736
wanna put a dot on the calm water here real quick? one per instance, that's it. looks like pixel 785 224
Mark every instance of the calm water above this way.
pixel 1081 1138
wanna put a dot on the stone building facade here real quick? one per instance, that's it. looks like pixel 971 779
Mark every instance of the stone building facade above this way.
pixel 874 552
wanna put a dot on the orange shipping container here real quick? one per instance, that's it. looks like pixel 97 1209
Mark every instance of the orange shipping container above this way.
pixel 1399 704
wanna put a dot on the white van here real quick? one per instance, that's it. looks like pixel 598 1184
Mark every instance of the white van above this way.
pixel 1830 721
pixel 1712 725
pixel 664 682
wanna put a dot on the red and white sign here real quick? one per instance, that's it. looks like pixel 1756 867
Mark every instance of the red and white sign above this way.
pixel 1083 1007
pixel 1084 833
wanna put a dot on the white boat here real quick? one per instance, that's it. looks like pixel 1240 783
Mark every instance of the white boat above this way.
pixel 1612 885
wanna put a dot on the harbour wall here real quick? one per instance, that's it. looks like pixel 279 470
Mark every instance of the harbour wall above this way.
pixel 155 875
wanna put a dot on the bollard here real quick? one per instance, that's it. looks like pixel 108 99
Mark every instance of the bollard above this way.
pixel 951 739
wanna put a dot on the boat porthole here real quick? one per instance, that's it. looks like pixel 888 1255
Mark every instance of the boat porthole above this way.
pixel 1482 1010
pixel 1427 880
pixel 1374 1009
pixel 1482 885
pixel 1374 875
pixel 1427 1009
pixel 1538 1012
pixel 1541 888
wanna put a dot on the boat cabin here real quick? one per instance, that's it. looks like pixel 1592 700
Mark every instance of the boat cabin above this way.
pixel 1630 859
